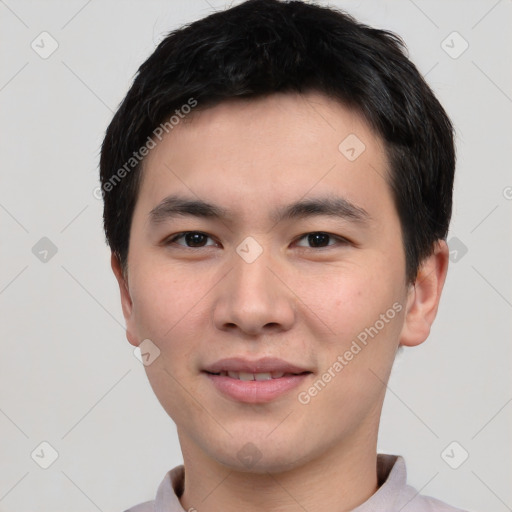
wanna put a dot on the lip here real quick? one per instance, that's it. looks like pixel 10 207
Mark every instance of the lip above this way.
pixel 263 365
pixel 255 391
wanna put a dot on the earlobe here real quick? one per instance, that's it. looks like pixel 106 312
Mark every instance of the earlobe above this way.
pixel 424 295
pixel 126 300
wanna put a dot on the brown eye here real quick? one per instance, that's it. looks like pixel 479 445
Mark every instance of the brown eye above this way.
pixel 319 239
pixel 192 239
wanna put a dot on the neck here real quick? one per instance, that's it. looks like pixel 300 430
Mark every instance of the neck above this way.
pixel 338 480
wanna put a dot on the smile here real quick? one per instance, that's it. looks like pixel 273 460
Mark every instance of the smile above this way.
pixel 254 388
pixel 246 376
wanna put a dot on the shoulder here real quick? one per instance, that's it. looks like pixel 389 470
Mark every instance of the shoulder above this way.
pixel 147 506
pixel 167 494
pixel 420 503
pixel 394 492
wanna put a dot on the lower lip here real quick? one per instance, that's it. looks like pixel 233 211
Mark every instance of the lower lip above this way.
pixel 256 391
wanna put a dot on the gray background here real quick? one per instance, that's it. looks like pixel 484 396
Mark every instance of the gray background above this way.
pixel 68 375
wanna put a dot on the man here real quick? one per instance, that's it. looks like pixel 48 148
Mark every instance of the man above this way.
pixel 277 187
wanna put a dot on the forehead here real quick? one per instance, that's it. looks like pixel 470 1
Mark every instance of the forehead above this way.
pixel 270 150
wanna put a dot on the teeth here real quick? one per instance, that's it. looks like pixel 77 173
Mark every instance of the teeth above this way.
pixel 262 376
pixel 246 376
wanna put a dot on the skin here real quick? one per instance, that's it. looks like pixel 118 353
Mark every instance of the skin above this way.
pixel 298 302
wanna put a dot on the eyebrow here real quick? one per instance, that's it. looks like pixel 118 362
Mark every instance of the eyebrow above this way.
pixel 332 206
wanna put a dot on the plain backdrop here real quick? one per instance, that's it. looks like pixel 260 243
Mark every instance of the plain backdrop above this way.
pixel 69 378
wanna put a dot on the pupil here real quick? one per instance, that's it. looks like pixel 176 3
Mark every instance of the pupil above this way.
pixel 194 239
pixel 318 239
pixel 315 239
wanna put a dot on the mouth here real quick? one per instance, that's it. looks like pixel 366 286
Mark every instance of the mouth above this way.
pixel 261 376
pixel 266 367
pixel 257 381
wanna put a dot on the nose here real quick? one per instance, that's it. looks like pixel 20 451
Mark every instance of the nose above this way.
pixel 254 299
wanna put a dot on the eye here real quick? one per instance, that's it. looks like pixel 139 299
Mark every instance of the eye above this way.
pixel 192 239
pixel 319 239
pixel 198 240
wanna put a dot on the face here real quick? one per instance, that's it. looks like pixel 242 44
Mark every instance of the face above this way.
pixel 321 287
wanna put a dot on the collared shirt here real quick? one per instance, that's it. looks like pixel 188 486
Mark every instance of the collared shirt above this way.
pixel 393 495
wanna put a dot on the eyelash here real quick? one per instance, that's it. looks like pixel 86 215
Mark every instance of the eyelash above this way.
pixel 172 240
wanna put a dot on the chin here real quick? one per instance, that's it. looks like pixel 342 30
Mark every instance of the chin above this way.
pixel 261 458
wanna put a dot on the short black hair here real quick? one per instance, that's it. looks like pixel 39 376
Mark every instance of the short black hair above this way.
pixel 260 47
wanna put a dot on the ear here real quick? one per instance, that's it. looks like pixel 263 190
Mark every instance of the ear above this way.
pixel 424 295
pixel 126 301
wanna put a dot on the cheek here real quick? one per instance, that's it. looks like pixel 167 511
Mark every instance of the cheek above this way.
pixel 168 310
pixel 363 307
pixel 162 302
pixel 349 298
